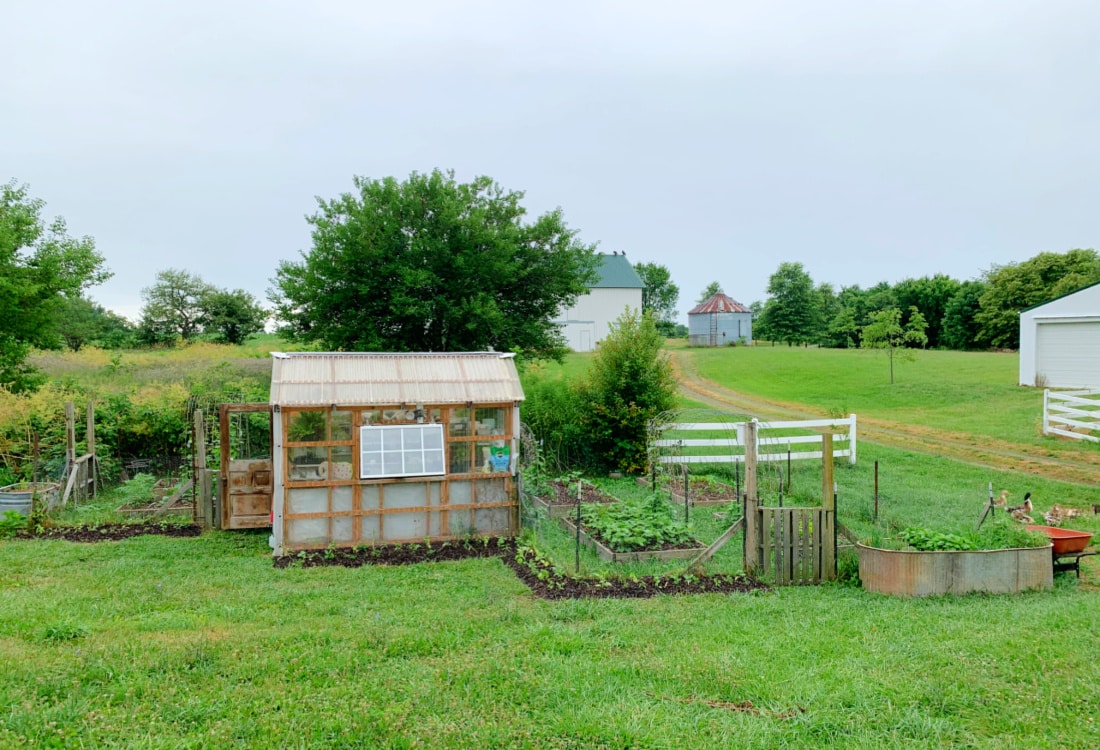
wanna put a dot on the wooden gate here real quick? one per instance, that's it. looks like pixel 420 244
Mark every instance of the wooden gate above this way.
pixel 248 482
pixel 796 545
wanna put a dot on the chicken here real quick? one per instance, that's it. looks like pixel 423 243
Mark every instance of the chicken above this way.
pixel 1020 512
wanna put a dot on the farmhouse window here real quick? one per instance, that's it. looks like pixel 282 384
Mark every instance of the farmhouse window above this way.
pixel 401 451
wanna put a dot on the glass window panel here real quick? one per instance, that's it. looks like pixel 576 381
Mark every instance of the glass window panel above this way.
pixel 433 463
pixel 391 440
pixel 305 464
pixel 403 451
pixel 308 500
pixel 369 417
pixel 306 426
pixel 371 440
pixel 459 422
pixel 460 458
pixel 340 468
pixel 489 420
pixel 341 425
pixel 342 499
pixel 370 496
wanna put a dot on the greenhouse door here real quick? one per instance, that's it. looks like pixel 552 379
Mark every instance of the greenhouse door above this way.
pixel 246 466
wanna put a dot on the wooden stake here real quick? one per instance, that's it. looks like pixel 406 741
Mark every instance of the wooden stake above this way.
pixel 827 500
pixel 752 523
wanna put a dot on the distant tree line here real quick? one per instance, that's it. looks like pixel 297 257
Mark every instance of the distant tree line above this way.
pixel 950 314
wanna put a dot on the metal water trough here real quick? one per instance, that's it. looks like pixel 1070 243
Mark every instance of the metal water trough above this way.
pixel 20 497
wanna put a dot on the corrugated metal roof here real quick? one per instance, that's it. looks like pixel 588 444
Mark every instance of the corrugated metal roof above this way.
pixel 370 379
pixel 719 303
pixel 616 273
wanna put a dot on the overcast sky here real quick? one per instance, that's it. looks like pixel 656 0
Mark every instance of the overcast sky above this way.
pixel 869 140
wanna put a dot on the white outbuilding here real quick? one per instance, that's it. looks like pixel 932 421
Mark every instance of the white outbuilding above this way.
pixel 1060 341
pixel 589 319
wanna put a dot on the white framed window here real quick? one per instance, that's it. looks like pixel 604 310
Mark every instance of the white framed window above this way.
pixel 409 450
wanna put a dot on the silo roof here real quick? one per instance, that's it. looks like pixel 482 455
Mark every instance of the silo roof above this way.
pixel 382 379
pixel 719 303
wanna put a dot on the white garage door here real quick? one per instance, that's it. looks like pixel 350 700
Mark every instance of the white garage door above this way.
pixel 1067 355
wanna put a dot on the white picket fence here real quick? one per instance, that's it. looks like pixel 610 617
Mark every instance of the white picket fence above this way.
pixel 1066 413
pixel 773 441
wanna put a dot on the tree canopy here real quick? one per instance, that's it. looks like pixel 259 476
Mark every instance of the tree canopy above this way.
pixel 180 305
pixel 709 291
pixel 885 331
pixel 40 265
pixel 792 313
pixel 432 264
pixel 1017 286
pixel 660 295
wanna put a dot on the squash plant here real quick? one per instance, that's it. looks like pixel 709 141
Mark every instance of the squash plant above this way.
pixel 633 525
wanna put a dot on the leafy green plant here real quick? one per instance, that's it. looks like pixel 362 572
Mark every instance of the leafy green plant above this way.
pixel 11 524
pixel 925 540
pixel 633 525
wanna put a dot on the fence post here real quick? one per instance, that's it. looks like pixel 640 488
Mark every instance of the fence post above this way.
pixel 852 439
pixel 827 471
pixel 70 435
pixel 752 523
pixel 93 468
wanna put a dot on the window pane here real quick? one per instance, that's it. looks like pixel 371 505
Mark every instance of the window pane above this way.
pixel 489 421
pixel 459 422
pixel 392 464
pixel 371 440
pixel 341 425
pixel 306 426
pixel 411 437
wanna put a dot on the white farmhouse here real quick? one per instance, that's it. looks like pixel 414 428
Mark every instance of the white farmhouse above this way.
pixel 1060 341
pixel 589 319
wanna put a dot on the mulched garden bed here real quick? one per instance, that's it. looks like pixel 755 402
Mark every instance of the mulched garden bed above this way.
pixel 536 572
pixel 111 532
pixel 566 494
pixel 701 491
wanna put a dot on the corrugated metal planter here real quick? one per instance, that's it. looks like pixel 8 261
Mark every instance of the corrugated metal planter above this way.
pixel 18 497
pixel 912 573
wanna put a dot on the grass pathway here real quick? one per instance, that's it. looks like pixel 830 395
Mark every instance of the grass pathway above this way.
pixel 1047 462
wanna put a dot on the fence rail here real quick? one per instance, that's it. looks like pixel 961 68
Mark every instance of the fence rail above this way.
pixel 772 442
pixel 1072 414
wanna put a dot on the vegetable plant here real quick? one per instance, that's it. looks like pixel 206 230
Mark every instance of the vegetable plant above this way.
pixel 634 525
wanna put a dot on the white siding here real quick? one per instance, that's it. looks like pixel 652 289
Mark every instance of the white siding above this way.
pixel 1060 342
pixel 589 320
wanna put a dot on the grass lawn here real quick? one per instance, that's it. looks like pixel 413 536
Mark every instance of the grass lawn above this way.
pixel 970 392
pixel 201 643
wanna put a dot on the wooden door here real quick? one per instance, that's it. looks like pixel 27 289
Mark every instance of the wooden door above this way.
pixel 246 465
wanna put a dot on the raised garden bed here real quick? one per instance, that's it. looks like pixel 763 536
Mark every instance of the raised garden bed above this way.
pixel 674 552
pixel 111 532
pixel 916 573
pixel 701 490
pixel 562 499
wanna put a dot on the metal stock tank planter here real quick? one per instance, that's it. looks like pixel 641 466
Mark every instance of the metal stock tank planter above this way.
pixel 916 573
pixel 20 497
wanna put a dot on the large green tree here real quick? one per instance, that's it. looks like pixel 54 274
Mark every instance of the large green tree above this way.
pixel 792 313
pixel 231 316
pixel 81 321
pixel 432 264
pixel 709 291
pixel 39 264
pixel 1017 286
pixel 173 307
pixel 660 295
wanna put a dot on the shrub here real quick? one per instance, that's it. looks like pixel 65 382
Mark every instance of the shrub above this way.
pixel 628 383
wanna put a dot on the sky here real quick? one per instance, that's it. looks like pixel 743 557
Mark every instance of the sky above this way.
pixel 869 141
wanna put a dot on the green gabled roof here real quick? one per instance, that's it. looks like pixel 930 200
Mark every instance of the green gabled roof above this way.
pixel 616 273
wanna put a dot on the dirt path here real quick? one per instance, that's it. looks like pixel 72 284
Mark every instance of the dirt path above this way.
pixel 1048 462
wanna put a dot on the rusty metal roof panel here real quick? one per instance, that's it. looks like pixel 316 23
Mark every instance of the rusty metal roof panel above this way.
pixel 719 303
pixel 367 379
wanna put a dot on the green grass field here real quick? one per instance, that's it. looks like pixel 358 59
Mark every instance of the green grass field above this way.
pixel 202 643
pixel 969 392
